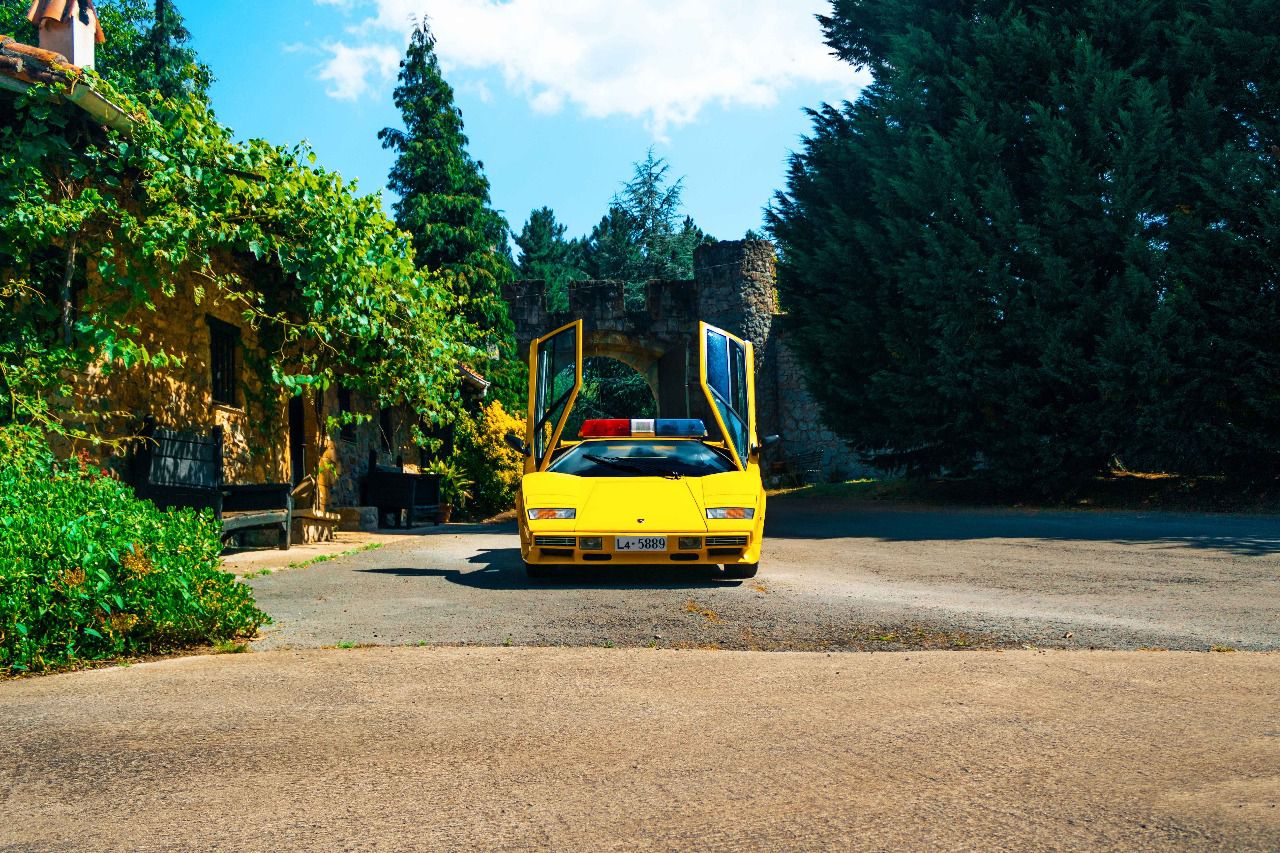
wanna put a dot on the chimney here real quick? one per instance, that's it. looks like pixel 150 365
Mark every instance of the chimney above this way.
pixel 68 27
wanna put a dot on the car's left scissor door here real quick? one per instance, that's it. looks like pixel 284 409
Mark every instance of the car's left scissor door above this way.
pixel 555 377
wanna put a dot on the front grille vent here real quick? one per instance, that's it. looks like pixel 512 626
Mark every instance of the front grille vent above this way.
pixel 555 541
pixel 726 541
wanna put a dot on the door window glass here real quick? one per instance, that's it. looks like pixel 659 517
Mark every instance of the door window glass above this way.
pixel 557 374
pixel 727 381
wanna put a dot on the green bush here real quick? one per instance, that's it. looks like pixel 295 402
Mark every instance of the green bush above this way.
pixel 483 457
pixel 89 572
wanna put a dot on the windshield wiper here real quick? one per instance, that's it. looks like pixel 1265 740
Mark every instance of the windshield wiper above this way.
pixel 633 465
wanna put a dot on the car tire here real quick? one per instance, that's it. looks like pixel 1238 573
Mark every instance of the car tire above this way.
pixel 740 572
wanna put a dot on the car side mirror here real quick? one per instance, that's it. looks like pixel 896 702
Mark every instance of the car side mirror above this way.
pixel 767 442
pixel 517 444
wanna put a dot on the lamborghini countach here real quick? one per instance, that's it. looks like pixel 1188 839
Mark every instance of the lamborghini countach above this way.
pixel 641 491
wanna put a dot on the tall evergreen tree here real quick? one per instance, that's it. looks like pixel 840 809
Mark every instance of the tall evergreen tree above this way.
pixel 611 251
pixel 643 236
pixel 1044 237
pixel 546 255
pixel 444 204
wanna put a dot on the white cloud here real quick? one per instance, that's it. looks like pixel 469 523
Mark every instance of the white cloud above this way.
pixel 350 69
pixel 661 61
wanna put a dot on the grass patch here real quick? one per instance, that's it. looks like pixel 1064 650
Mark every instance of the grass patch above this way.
pixel 324 558
pixel 694 608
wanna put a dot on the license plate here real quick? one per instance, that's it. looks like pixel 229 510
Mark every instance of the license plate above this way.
pixel 640 543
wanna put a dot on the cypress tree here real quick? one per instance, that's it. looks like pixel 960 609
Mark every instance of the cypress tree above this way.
pixel 1045 238
pixel 444 205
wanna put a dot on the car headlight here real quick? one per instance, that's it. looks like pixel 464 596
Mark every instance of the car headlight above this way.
pixel 549 514
pixel 735 512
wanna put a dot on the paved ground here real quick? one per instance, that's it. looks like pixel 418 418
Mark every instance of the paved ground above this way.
pixel 298 747
pixel 833 578
pixel 439 748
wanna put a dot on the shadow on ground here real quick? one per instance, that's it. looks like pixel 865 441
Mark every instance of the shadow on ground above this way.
pixel 502 569
pixel 1247 536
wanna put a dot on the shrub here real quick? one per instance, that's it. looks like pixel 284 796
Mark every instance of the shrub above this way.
pixel 483 453
pixel 89 572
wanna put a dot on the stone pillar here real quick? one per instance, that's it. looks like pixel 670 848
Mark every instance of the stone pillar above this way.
pixel 736 287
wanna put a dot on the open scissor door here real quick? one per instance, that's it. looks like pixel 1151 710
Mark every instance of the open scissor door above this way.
pixel 726 371
pixel 555 377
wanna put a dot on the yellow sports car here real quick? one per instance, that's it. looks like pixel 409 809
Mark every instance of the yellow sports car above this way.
pixel 641 491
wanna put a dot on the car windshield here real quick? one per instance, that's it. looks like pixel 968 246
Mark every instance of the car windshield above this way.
pixel 631 458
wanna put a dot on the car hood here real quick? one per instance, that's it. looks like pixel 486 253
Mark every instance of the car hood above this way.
pixel 640 504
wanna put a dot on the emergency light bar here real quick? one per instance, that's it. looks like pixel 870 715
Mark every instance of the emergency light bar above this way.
pixel 643 428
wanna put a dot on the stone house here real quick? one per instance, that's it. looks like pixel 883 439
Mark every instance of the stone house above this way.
pixel 218 376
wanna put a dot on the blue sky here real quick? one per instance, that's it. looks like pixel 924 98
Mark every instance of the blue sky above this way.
pixel 559 97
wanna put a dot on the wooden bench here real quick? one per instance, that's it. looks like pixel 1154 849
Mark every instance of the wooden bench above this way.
pixel 801 469
pixel 394 490
pixel 174 468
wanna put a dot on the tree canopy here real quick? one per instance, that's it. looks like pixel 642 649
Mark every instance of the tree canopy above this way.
pixel 179 203
pixel 444 204
pixel 546 255
pixel 1045 238
pixel 642 236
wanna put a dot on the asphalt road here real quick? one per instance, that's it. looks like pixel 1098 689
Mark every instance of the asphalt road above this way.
pixel 833 578
pixel 607 749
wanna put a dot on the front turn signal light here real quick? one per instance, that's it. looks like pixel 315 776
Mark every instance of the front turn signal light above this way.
pixel 731 512
pixel 551 514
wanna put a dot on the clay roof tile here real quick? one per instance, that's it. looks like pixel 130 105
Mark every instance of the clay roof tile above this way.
pixel 61 10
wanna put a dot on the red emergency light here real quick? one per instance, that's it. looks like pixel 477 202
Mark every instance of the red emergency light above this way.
pixel 643 428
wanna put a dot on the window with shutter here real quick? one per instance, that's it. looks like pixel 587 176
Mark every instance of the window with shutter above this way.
pixel 224 342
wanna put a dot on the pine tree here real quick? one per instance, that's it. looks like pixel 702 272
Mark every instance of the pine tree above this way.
pixel 611 251
pixel 173 70
pixel 643 236
pixel 444 205
pixel 546 255
pixel 1044 238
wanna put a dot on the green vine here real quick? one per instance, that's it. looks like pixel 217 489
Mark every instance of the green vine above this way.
pixel 318 269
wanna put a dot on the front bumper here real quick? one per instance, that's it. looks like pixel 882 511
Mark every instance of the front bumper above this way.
pixel 722 547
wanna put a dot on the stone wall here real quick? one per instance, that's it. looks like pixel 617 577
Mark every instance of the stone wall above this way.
pixel 796 416
pixel 256 429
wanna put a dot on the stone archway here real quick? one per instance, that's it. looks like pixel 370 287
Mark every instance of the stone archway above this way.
pixel 734 288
